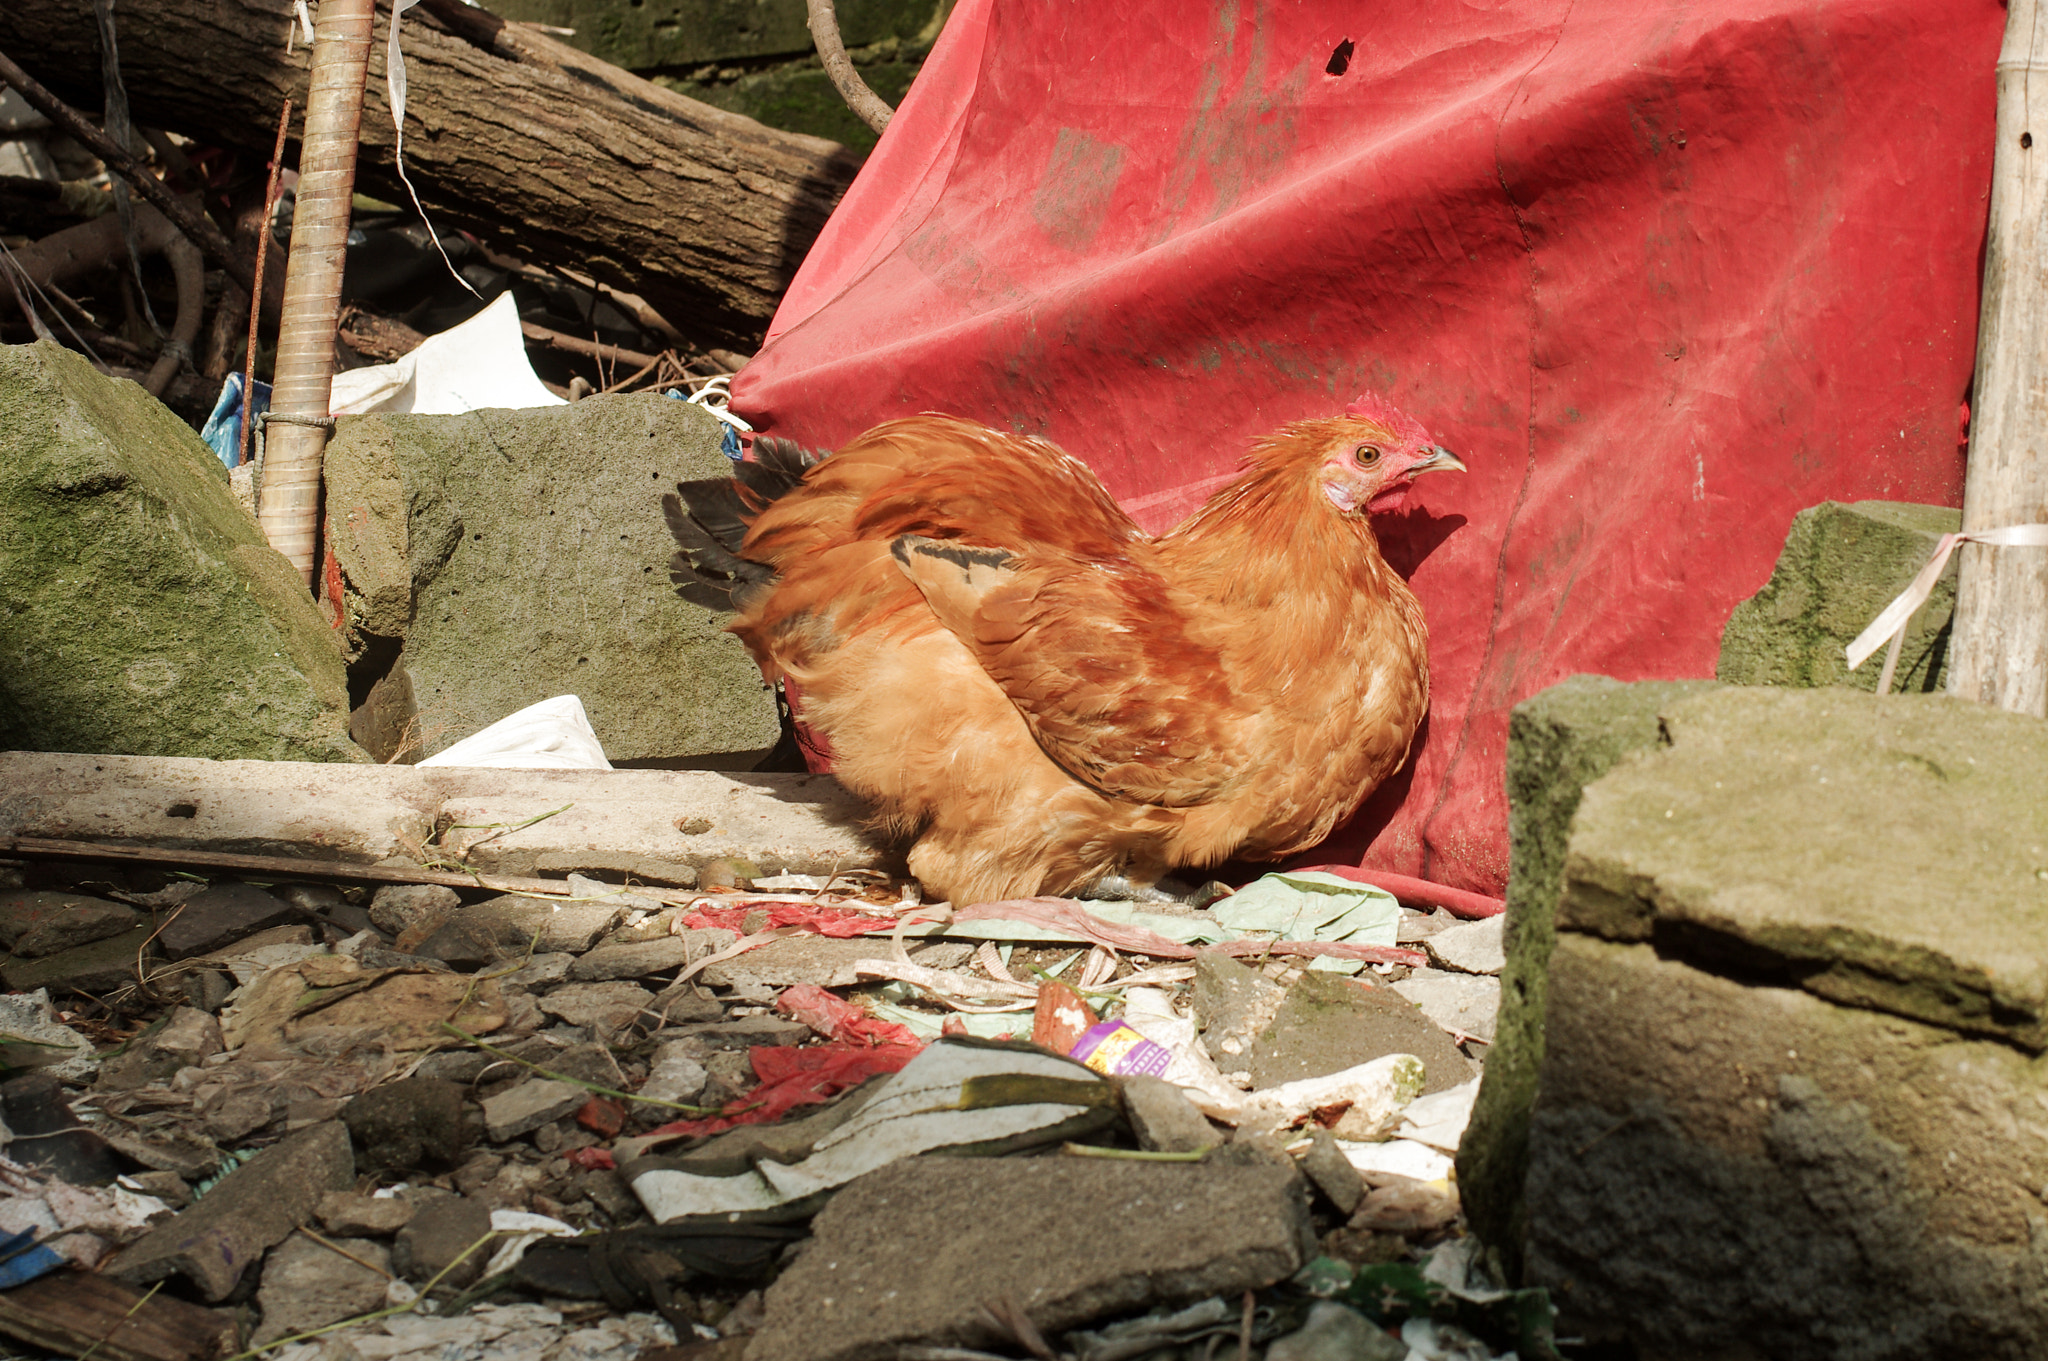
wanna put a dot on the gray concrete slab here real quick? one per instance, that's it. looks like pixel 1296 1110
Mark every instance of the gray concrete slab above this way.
pixel 610 823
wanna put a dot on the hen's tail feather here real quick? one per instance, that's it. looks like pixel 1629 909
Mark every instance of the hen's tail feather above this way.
pixel 709 517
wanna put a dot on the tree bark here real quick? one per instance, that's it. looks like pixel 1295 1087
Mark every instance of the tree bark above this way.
pixel 539 150
pixel 2000 650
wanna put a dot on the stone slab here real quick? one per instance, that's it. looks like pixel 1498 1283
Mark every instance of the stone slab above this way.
pixel 910 1253
pixel 1833 838
pixel 1720 1168
pixel 309 1285
pixel 141 609
pixel 1470 947
pixel 796 959
pixel 623 821
pixel 1841 565
pixel 253 1208
pixel 45 921
pixel 1468 1004
pixel 1328 1023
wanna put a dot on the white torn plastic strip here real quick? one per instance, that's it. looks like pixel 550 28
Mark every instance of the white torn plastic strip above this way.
pixel 1891 621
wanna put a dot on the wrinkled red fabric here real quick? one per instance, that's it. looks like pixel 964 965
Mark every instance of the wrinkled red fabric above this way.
pixel 1662 274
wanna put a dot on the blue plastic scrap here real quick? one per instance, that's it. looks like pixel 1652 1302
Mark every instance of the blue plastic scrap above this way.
pixel 223 429
pixel 22 1259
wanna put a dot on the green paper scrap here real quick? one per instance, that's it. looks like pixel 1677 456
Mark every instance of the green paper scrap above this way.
pixel 1313 905
pixel 1001 1025
pixel 1298 905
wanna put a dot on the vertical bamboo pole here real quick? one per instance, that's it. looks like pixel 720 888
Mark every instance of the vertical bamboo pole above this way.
pixel 303 380
pixel 1999 652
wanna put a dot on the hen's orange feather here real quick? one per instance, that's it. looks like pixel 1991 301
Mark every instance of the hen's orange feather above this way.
pixel 1039 694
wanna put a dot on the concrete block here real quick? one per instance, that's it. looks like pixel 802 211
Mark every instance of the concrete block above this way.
pixel 1841 566
pixel 1724 1168
pixel 907 1254
pixel 1559 741
pixel 658 826
pixel 140 608
pixel 524 556
pixel 1791 1080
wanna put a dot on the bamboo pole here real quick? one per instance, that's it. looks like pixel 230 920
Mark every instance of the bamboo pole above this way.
pixel 1999 651
pixel 302 381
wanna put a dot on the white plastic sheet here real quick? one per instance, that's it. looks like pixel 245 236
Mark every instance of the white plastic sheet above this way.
pixel 481 363
pixel 554 734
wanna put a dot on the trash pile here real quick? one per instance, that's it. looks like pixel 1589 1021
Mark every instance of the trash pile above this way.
pixel 772 1117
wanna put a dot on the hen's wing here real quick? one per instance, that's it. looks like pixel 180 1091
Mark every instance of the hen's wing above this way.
pixel 1098 658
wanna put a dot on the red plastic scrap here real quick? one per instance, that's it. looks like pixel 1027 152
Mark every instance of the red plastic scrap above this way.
pixel 838 1019
pixel 592 1159
pixel 858 1047
pixel 836 922
pixel 603 1116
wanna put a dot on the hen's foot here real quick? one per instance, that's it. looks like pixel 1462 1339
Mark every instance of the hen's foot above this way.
pixel 1164 891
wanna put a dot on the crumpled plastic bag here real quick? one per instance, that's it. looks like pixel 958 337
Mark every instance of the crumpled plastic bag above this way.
pixel 963 1096
pixel 554 734
pixel 480 363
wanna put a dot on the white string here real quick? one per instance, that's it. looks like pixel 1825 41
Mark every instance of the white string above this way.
pixel 1890 623
pixel 718 390
pixel 394 82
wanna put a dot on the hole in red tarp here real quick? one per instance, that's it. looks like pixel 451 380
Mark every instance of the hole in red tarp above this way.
pixel 1340 60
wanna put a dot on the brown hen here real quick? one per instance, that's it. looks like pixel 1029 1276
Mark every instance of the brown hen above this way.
pixel 1038 694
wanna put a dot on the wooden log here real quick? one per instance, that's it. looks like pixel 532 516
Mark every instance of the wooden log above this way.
pixel 2000 644
pixel 541 151
pixel 78 1313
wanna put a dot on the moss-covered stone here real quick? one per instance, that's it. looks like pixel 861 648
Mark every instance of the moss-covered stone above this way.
pixel 1559 741
pixel 518 555
pixel 1842 564
pixel 1831 840
pixel 141 612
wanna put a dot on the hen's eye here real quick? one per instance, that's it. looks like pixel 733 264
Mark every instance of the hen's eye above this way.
pixel 1367 455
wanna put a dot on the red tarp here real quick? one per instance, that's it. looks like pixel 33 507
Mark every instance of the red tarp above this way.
pixel 1662 274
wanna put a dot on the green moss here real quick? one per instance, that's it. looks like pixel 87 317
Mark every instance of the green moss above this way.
pixel 1842 564
pixel 1559 741
pixel 141 612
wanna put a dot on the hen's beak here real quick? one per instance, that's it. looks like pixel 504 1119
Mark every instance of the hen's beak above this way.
pixel 1440 460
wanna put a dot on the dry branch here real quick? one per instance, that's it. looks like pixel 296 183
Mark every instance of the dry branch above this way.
pixel 541 151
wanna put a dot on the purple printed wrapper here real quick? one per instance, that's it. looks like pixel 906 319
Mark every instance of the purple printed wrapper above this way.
pixel 1114 1049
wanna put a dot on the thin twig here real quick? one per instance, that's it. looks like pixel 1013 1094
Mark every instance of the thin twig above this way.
pixel 867 106
pixel 284 120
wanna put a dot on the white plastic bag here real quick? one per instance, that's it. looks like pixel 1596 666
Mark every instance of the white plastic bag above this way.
pixel 554 734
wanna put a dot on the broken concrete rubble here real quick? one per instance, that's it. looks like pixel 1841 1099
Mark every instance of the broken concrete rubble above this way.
pixel 331 1030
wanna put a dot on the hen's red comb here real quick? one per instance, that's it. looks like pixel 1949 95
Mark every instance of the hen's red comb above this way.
pixel 1370 406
